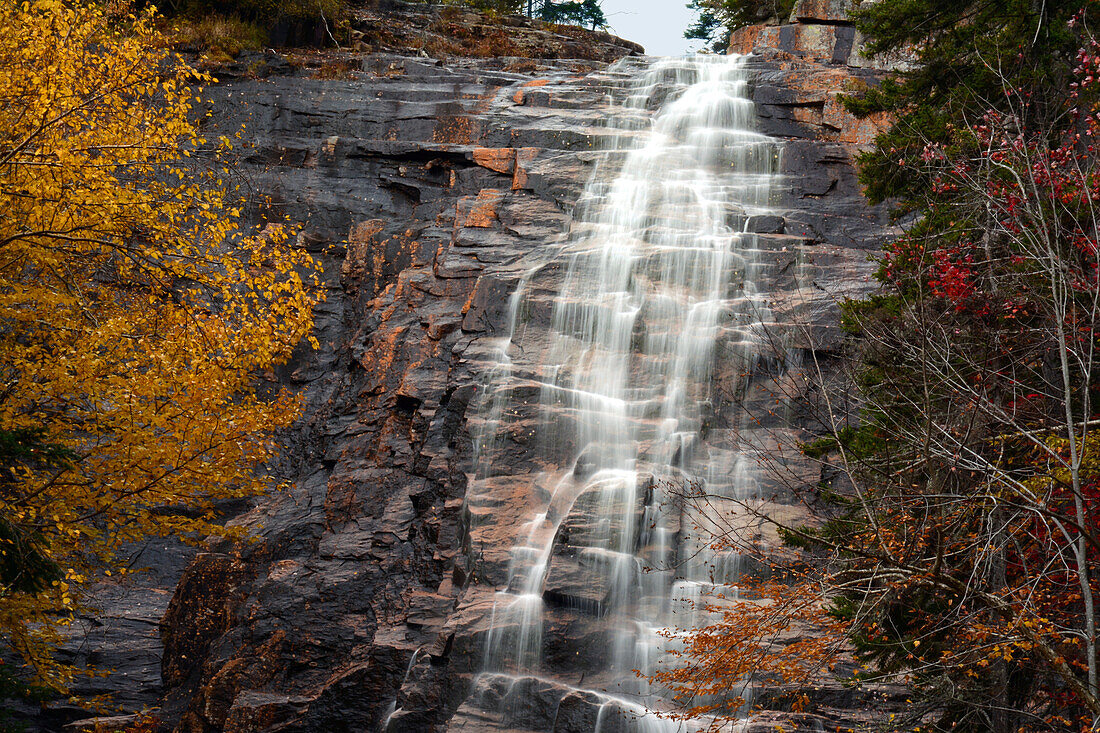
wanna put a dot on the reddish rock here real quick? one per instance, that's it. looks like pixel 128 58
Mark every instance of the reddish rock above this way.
pixel 523 96
pixel 441 325
pixel 818 31
pixel 524 158
pixel 768 39
pixel 744 40
pixel 212 702
pixel 853 130
pixel 808 115
pixel 501 160
pixel 253 711
pixel 362 247
pixel 455 130
pixel 815 41
pixel 483 211
pixel 821 11
pixel 812 61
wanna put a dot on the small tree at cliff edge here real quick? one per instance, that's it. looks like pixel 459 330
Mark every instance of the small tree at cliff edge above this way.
pixel 718 18
pixel 581 12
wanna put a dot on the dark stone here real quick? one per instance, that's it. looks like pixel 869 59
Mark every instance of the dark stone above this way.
pixel 383 547
pixel 765 224
pixel 201 610
pixel 577 713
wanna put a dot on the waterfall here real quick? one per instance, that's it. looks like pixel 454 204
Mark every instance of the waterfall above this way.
pixel 605 375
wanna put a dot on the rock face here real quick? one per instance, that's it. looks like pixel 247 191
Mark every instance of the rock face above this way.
pixel 425 187
pixel 422 185
pixel 812 60
pixel 121 637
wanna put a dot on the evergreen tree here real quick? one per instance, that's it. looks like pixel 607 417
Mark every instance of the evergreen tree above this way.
pixel 574 12
pixel 967 55
pixel 718 18
pixel 708 28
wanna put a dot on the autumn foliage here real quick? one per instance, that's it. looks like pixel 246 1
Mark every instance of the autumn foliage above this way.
pixel 776 633
pixel 135 313
pixel 959 540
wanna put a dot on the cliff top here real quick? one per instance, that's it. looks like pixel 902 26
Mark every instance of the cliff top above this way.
pixel 439 31
pixel 407 28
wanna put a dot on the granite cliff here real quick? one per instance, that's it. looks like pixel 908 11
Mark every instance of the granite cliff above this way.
pixel 424 184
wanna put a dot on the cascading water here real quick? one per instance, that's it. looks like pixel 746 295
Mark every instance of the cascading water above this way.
pixel 658 272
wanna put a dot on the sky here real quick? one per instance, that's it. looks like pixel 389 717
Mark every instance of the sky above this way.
pixel 658 25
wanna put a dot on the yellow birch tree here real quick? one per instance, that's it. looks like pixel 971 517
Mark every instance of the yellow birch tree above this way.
pixel 135 312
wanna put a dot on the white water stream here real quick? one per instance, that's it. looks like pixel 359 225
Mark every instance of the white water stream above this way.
pixel 659 270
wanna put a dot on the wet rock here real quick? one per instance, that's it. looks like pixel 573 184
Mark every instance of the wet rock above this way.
pixel 583 578
pixel 577 713
pixel 765 224
pixel 594 546
pixel 576 642
pixel 532 703
pixel 429 190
